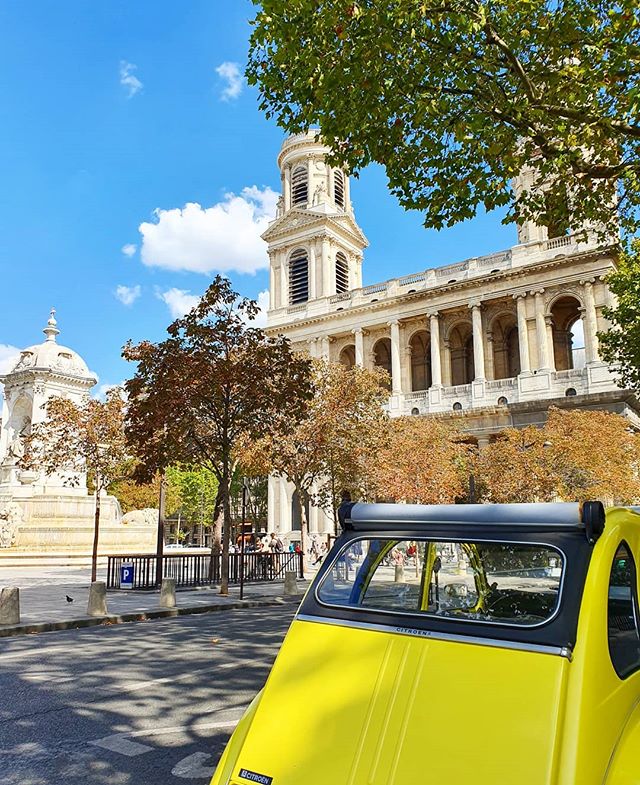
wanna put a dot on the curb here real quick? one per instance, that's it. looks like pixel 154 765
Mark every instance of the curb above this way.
pixel 160 613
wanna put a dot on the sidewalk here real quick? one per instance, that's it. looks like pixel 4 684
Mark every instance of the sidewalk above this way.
pixel 44 607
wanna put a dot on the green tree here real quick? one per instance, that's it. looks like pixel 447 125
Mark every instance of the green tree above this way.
pixel 211 382
pixel 82 437
pixel 455 98
pixel 620 344
pixel 196 492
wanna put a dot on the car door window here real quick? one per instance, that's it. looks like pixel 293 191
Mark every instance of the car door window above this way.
pixel 622 613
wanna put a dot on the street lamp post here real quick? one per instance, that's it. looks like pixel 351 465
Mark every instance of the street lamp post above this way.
pixel 160 539
pixel 245 492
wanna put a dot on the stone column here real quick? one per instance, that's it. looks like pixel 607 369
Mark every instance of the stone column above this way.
pixel 590 324
pixel 434 343
pixel 548 320
pixel 313 347
pixel 541 333
pixel 478 342
pixel 287 187
pixel 325 347
pixel 272 286
pixel 284 283
pixel 327 288
pixel 312 272
pixel 309 180
pixel 396 368
pixel 358 269
pixel 347 192
pixel 359 336
pixel 523 334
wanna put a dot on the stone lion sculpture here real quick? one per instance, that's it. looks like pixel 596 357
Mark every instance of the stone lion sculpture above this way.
pixel 146 517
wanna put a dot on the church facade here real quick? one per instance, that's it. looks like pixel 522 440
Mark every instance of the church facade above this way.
pixel 492 340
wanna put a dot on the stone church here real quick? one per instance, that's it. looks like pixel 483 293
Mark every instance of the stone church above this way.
pixel 494 340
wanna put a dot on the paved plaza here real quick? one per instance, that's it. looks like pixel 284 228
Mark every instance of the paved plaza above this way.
pixel 140 704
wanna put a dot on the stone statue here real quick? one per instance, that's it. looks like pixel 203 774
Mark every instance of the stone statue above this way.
pixel 319 194
pixel 10 518
pixel 280 207
pixel 147 517
pixel 15 450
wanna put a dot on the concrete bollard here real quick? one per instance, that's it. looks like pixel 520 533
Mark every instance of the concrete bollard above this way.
pixel 97 605
pixel 399 576
pixel 290 584
pixel 168 593
pixel 10 605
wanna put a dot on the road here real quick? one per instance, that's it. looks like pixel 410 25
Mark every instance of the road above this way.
pixel 150 703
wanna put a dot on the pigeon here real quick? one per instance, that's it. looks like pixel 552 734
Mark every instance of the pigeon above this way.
pixel 69 599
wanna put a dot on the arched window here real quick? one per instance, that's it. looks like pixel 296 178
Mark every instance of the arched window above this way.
pixel 420 361
pixel 348 356
pixel 298 277
pixel 382 356
pixel 338 188
pixel 568 334
pixel 299 186
pixel 342 273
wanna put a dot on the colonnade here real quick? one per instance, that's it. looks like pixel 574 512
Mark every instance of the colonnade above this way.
pixel 534 319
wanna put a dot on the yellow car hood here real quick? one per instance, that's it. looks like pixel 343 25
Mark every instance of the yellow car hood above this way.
pixel 347 706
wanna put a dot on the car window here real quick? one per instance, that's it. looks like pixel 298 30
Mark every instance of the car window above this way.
pixel 506 583
pixel 622 613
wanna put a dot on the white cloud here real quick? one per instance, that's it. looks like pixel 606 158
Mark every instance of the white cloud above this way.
pixel 130 82
pixel 233 79
pixel 128 294
pixel 129 249
pixel 179 301
pixel 101 392
pixel 261 317
pixel 222 238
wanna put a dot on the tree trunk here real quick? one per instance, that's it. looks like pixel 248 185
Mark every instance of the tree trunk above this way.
pixel 226 532
pixel 216 544
pixel 96 532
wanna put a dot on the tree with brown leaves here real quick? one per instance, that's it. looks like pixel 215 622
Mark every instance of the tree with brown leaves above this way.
pixel 213 380
pixel 576 456
pixel 325 453
pixel 419 460
pixel 76 438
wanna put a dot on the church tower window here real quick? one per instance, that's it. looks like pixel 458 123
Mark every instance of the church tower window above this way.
pixel 338 188
pixel 298 277
pixel 299 186
pixel 342 273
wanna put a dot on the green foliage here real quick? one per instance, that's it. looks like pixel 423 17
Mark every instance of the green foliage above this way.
pixel 195 490
pixel 620 345
pixel 455 98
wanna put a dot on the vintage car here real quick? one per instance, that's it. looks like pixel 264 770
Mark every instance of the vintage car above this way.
pixel 462 644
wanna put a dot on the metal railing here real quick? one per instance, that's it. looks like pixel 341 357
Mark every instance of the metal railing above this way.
pixel 198 570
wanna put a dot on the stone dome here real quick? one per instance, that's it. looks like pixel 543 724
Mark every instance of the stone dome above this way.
pixel 52 356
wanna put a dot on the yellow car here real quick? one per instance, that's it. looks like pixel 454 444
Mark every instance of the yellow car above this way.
pixel 457 645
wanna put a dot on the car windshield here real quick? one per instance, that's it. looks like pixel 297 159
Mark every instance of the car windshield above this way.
pixel 495 582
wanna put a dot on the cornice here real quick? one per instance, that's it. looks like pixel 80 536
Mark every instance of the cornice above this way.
pixel 514 273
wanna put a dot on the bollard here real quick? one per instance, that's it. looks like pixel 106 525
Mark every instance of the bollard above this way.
pixel 97 605
pixel 168 593
pixel 290 584
pixel 399 577
pixel 10 605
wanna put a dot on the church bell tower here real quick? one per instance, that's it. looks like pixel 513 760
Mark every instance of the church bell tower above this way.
pixel 315 245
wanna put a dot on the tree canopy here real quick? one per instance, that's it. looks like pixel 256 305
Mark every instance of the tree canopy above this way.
pixel 455 97
pixel 214 380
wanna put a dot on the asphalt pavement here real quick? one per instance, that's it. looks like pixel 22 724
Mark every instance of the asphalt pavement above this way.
pixel 151 703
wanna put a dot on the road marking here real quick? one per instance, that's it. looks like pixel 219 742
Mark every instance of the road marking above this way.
pixel 193 767
pixel 122 746
pixel 122 742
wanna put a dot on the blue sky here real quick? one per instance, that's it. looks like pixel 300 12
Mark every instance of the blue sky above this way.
pixel 115 116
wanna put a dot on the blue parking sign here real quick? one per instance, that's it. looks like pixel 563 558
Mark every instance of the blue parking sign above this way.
pixel 126 576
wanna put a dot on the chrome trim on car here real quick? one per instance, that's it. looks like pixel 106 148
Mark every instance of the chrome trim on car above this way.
pixel 412 632
pixel 426 614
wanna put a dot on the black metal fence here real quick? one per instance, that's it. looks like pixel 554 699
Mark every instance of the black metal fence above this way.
pixel 198 570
